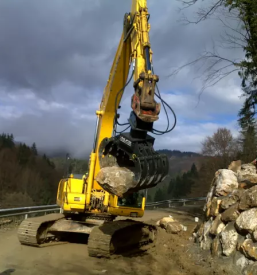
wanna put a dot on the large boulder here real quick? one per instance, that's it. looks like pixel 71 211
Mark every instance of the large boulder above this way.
pixel 209 199
pixel 116 180
pixel 164 221
pixel 171 225
pixel 217 226
pixel 247 221
pixel 174 227
pixel 216 248
pixel 231 199
pixel 215 206
pixel 229 237
pixel 249 198
pixel 247 174
pixel 226 182
pixel 206 239
pixel 235 166
pixel 231 214
pixel 249 248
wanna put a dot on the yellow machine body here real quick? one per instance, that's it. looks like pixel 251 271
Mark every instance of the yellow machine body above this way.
pixel 71 195
pixel 71 198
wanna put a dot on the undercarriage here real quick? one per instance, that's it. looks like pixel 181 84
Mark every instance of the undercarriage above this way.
pixel 105 236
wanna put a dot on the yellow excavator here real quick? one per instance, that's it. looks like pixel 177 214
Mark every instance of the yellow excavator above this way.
pixel 87 206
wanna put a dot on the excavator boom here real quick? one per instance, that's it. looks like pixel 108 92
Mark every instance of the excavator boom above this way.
pixel 132 150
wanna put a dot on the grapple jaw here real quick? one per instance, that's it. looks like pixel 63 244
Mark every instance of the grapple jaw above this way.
pixel 136 154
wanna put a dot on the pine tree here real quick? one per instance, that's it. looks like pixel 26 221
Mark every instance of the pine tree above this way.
pixel 172 186
pixel 34 149
pixel 23 154
pixel 177 189
pixel 6 141
pixel 249 145
pixel 193 171
pixel 247 122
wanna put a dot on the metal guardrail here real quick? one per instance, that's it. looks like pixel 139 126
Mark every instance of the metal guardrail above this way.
pixel 9 212
pixel 183 200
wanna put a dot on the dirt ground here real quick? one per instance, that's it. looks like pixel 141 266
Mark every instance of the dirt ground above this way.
pixel 173 254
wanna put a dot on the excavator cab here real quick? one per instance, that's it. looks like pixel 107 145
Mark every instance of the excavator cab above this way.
pixel 70 196
pixel 134 200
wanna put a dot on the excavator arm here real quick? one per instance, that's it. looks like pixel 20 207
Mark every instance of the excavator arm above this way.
pixel 133 150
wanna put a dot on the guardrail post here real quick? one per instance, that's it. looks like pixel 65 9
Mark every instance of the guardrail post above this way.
pixel 169 205
pixel 184 203
pixel 26 216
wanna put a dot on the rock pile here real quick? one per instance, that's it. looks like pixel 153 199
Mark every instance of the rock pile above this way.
pixel 230 226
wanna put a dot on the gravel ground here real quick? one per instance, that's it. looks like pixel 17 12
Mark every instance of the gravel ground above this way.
pixel 173 254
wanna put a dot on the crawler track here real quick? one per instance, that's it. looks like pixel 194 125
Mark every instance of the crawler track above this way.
pixel 119 236
pixel 109 238
pixel 34 231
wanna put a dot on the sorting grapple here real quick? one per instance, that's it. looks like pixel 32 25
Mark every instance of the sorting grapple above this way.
pixel 136 154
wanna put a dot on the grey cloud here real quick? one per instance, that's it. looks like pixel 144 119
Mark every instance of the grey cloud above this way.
pixel 46 42
pixel 53 132
pixel 62 50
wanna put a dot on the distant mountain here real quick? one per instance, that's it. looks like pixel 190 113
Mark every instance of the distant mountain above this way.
pixel 169 153
pixel 177 153
pixel 179 162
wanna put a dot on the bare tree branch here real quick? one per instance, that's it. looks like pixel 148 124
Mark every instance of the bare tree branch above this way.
pixel 220 144
pixel 203 13
pixel 212 66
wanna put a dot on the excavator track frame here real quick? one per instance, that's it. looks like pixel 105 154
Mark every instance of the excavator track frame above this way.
pixel 34 231
pixel 120 236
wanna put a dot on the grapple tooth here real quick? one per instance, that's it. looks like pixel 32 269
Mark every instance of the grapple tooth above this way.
pixel 138 155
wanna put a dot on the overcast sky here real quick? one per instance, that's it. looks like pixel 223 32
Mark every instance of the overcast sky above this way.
pixel 55 57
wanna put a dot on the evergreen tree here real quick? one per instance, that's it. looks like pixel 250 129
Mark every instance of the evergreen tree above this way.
pixel 6 141
pixel 172 186
pixel 193 171
pixel 249 145
pixel 34 149
pixel 23 154
pixel 247 123
pixel 177 186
